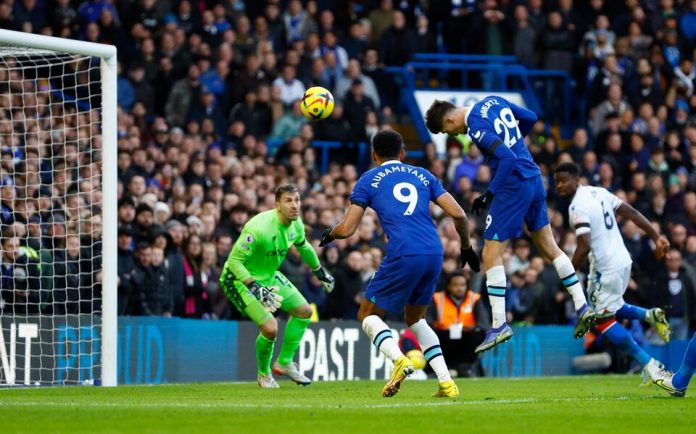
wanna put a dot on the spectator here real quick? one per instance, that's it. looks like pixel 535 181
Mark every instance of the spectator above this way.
pixel 676 288
pixel 460 318
pixel 290 88
pixel 344 300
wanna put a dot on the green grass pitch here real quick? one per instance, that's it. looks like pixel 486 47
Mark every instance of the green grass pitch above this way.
pixel 596 404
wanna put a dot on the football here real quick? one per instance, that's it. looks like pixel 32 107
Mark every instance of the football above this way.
pixel 317 103
pixel 417 358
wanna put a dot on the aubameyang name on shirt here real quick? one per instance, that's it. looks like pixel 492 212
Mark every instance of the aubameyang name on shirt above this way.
pixel 487 106
pixel 399 168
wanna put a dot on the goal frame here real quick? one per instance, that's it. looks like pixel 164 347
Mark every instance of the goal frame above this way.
pixel 108 72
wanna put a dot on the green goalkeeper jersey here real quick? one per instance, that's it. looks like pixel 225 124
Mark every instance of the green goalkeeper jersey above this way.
pixel 263 245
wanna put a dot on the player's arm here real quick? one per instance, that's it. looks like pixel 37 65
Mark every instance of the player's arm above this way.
pixel 490 141
pixel 584 245
pixel 309 256
pixel 242 250
pixel 581 221
pixel 526 118
pixel 461 221
pixel 626 211
pixel 461 224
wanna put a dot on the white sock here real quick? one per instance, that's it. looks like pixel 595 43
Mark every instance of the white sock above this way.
pixel 570 280
pixel 381 336
pixel 496 284
pixel 431 349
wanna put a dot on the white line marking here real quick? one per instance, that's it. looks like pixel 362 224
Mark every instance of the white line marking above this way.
pixel 241 405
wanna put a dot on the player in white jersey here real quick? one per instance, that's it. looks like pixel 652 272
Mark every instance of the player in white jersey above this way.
pixel 592 213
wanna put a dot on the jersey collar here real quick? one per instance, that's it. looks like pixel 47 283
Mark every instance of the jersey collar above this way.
pixel 469 108
pixel 390 162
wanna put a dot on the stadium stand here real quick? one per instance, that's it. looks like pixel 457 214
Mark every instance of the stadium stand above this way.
pixel 208 126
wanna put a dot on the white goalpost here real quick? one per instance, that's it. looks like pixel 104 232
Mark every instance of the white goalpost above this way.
pixel 58 215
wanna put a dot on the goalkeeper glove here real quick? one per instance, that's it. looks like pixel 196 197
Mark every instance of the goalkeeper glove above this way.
pixel 327 280
pixel 267 295
pixel 469 256
pixel 326 238
pixel 482 202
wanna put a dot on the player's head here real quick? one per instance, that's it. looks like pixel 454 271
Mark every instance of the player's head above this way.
pixel 441 118
pixel 388 145
pixel 287 201
pixel 567 177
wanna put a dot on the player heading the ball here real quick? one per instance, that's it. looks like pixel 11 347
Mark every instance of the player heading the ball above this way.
pixel 405 282
pixel 515 195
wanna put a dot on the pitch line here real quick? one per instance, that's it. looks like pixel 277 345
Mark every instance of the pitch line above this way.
pixel 241 405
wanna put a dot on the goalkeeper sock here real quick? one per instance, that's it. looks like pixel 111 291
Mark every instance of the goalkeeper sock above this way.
pixel 683 376
pixel 430 343
pixel 381 336
pixel 496 285
pixel 570 280
pixel 619 336
pixel 294 330
pixel 264 354
pixel 629 311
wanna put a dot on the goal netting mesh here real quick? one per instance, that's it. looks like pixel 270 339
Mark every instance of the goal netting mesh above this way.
pixel 51 199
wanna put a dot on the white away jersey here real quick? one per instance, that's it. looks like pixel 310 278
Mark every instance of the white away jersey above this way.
pixel 592 211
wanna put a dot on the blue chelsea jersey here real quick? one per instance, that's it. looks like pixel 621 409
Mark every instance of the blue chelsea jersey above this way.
pixel 401 194
pixel 498 127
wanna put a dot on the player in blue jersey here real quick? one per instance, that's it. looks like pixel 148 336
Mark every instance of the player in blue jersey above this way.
pixel 401 194
pixel 515 195
pixel 677 383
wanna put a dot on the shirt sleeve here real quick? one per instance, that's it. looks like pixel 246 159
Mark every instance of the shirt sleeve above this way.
pixel 304 248
pixel 489 141
pixel 614 201
pixel 436 188
pixel 579 219
pixel 360 196
pixel 242 250
pixel 526 118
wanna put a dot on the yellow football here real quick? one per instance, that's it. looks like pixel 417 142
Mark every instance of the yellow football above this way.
pixel 317 103
pixel 417 358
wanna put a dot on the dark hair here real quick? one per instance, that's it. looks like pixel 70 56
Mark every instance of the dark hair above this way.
pixel 571 169
pixel 387 144
pixel 285 188
pixel 452 275
pixel 437 111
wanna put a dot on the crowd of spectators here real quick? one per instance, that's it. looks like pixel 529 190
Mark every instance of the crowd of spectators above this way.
pixel 209 125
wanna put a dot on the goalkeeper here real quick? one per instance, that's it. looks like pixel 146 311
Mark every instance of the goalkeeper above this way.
pixel 252 282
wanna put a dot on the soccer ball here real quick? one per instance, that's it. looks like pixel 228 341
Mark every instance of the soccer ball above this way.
pixel 317 103
pixel 417 358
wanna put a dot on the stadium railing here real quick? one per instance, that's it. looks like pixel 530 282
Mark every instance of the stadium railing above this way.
pixel 497 73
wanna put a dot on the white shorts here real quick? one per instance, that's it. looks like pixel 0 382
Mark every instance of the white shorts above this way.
pixel 605 291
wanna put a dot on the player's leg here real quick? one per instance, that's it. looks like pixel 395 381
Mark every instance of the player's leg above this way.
pixel 606 295
pixel 503 222
pixel 496 286
pixel 299 312
pixel 544 241
pixel 414 314
pixel 655 317
pixel 677 383
pixel 249 306
pixel 388 292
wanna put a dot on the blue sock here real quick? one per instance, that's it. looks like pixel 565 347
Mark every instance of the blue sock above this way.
pixel 619 336
pixel 629 311
pixel 686 370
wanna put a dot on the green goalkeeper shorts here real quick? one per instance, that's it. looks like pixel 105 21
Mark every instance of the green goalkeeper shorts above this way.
pixel 249 306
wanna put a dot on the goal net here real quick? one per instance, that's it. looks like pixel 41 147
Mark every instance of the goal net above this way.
pixel 57 211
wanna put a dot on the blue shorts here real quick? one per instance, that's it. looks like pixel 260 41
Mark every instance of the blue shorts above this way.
pixel 404 280
pixel 518 201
